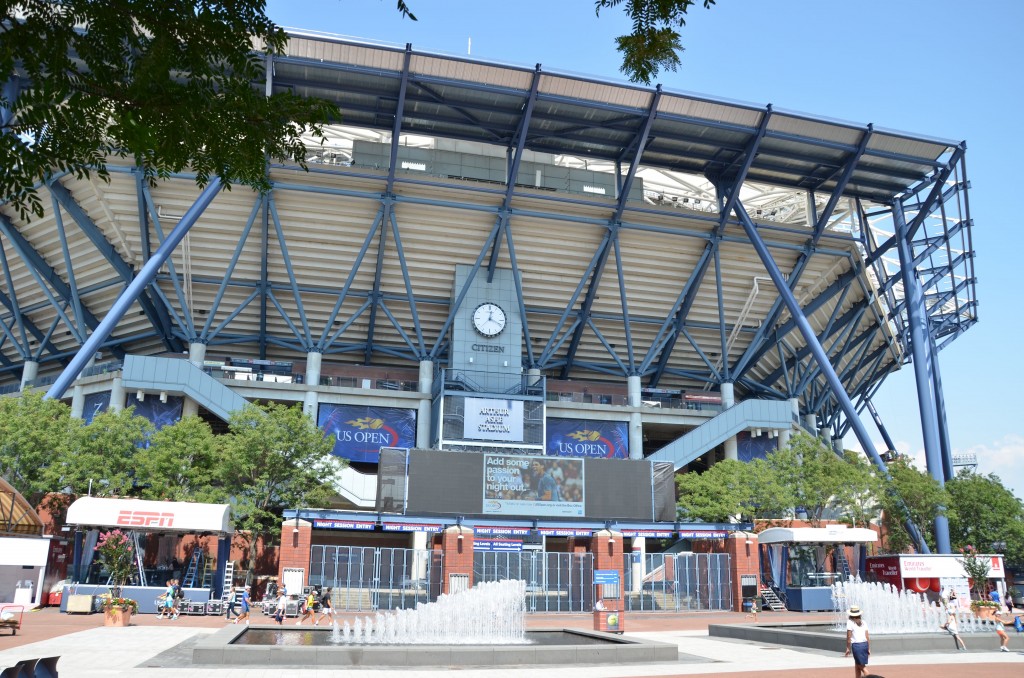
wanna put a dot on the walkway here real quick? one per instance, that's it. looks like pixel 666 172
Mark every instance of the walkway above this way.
pixel 153 648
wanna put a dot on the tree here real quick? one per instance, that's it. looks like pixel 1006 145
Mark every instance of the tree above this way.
pixel 100 458
pixel 275 458
pixel 820 479
pixel 859 498
pixel 176 85
pixel 180 463
pixel 33 432
pixel 986 515
pixel 910 494
pixel 715 495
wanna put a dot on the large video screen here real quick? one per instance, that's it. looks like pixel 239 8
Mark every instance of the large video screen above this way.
pixel 360 431
pixel 584 438
pixel 159 412
pixel 532 486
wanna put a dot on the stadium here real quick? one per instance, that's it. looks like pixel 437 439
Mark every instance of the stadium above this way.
pixel 510 264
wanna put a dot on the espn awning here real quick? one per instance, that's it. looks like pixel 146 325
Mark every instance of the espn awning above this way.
pixel 831 534
pixel 151 516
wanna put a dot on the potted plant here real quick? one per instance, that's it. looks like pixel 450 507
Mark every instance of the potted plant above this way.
pixel 115 553
pixel 977 569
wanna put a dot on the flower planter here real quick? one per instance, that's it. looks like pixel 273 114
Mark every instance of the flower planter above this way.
pixel 116 617
pixel 985 612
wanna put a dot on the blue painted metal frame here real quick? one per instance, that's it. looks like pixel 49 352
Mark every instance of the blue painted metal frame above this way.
pixel 133 291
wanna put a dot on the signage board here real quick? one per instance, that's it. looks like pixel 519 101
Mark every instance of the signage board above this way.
pixel 583 438
pixel 606 577
pixel 321 524
pixel 534 486
pixel 498 545
pixel 360 431
pixel 493 419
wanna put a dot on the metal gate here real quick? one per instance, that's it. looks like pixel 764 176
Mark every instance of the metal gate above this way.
pixel 366 578
pixel 678 582
pixel 555 582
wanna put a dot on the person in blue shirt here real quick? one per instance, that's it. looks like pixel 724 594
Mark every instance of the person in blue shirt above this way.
pixel 246 603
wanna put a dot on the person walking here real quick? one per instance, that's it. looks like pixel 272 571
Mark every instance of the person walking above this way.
pixel 326 609
pixel 232 601
pixel 950 626
pixel 307 608
pixel 857 641
pixel 167 601
pixel 246 604
pixel 1004 639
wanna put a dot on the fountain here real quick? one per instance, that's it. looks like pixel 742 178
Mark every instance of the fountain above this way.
pixel 899 621
pixel 483 626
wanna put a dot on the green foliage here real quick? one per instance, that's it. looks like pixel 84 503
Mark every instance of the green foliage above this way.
pixel 32 432
pixel 176 85
pixel 976 568
pixel 715 495
pixel 180 463
pixel 114 551
pixel 654 44
pixel 910 494
pixel 275 458
pixel 986 514
pixel 103 452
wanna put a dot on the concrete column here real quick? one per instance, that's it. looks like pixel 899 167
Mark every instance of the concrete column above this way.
pixel 424 414
pixel 811 421
pixel 533 376
pixel 29 371
pixel 636 435
pixel 785 433
pixel 310 402
pixel 189 408
pixel 196 353
pixel 825 433
pixel 728 400
pixel 420 555
pixel 77 401
pixel 116 394
pixel 633 390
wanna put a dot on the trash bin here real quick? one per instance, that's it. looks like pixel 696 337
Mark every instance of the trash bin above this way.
pixel 23 591
pixel 609 621
pixel 748 605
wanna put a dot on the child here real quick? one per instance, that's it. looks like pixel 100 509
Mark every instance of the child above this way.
pixel 1004 639
pixel 951 628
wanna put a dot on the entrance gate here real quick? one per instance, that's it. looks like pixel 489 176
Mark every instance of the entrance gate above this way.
pixel 555 582
pixel 366 578
pixel 678 582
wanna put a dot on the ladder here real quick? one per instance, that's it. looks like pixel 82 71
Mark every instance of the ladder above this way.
pixel 227 590
pixel 842 564
pixel 138 558
pixel 193 569
pixel 769 596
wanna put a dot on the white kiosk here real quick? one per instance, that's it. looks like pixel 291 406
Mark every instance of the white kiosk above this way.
pixel 138 517
pixel 802 563
pixel 24 549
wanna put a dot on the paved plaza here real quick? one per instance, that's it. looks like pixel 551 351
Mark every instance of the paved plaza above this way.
pixel 152 648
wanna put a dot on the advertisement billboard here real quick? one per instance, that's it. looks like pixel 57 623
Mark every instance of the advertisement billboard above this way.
pixel 94 404
pixel 492 419
pixel 360 431
pixel 159 412
pixel 532 486
pixel 584 438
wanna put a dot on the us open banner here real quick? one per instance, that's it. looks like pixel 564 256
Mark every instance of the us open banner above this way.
pixel 360 431
pixel 583 438
pixel 532 486
pixel 493 419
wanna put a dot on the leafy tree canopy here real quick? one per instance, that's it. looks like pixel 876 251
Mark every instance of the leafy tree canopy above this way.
pixel 715 495
pixel 101 455
pixel 177 85
pixel 32 432
pixel 180 463
pixel 923 500
pixel 986 515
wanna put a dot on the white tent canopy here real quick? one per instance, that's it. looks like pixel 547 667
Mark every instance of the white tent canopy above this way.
pixel 831 534
pixel 151 516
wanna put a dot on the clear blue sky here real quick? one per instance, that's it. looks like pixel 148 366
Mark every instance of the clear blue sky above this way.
pixel 951 70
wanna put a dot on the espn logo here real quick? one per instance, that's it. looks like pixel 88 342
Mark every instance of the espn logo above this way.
pixel 145 519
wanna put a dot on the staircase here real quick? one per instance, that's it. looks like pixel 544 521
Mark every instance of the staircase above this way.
pixel 842 564
pixel 767 414
pixel 771 599
pixel 152 373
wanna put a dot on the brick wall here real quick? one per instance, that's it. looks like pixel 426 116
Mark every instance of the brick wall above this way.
pixel 458 554
pixel 295 547
pixel 607 549
pixel 743 559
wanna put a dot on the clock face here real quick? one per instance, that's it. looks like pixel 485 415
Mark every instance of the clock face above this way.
pixel 489 319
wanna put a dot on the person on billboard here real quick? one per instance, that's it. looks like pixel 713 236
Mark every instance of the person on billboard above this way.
pixel 547 486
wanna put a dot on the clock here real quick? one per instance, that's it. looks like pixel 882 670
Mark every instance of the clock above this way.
pixel 489 319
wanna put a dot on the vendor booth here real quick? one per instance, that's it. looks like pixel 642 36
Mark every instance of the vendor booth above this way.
pixel 200 579
pixel 23 549
pixel 801 563
pixel 935 575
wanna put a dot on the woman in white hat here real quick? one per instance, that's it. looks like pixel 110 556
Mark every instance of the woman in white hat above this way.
pixel 857 641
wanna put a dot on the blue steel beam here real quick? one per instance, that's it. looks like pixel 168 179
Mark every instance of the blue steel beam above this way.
pixel 264 283
pixel 290 270
pixel 134 289
pixel 920 344
pixel 819 354
pixel 640 144
pixel 185 322
pixel 204 334
pixel 157 317
pixel 78 329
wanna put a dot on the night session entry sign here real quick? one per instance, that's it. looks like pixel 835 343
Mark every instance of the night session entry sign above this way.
pixel 583 438
pixel 533 486
pixel 360 431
